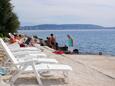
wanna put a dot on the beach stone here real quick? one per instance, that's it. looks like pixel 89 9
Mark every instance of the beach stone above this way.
pixel 2 83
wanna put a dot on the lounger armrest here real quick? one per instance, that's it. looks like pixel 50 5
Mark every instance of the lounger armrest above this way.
pixel 19 54
pixel 27 62
pixel 36 55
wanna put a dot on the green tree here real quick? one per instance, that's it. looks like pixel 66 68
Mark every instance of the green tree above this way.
pixel 8 20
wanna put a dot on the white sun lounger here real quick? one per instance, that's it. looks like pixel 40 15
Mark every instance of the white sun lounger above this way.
pixel 37 60
pixel 16 48
pixel 22 51
pixel 30 53
pixel 34 53
pixel 29 57
pixel 31 66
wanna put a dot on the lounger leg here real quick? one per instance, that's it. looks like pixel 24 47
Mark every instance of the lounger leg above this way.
pixel 37 75
pixel 6 62
pixel 65 77
pixel 14 78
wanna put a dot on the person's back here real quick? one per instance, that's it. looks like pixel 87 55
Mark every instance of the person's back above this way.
pixel 70 43
pixel 47 41
pixel 53 41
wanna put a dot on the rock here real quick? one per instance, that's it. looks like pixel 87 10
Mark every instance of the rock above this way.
pixel 2 83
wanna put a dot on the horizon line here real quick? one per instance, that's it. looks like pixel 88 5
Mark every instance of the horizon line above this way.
pixel 66 24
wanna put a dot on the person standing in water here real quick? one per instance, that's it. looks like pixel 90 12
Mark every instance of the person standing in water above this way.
pixel 70 43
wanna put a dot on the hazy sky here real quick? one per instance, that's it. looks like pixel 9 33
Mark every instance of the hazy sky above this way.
pixel 34 12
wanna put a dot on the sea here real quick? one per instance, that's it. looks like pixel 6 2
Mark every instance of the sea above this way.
pixel 87 41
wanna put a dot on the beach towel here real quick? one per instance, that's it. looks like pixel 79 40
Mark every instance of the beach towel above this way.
pixel 58 52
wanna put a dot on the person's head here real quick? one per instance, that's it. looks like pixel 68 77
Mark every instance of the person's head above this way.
pixel 51 34
pixel 16 35
pixel 47 38
pixel 68 36
pixel 29 38
pixel 20 35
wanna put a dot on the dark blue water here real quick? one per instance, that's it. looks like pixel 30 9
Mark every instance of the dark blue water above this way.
pixel 87 41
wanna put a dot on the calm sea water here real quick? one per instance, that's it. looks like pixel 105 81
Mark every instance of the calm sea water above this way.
pixel 87 41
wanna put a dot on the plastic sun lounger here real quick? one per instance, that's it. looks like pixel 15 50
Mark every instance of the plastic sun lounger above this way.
pixel 30 57
pixel 16 48
pixel 22 51
pixel 33 53
pixel 31 66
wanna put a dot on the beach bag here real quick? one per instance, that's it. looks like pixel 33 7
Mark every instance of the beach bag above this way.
pixel 22 45
pixel 2 71
pixel 76 51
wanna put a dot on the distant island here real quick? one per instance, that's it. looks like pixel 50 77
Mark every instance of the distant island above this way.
pixel 63 27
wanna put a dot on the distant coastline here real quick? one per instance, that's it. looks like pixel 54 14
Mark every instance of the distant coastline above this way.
pixel 63 27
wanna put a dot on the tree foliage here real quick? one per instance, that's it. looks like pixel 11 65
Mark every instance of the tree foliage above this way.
pixel 8 19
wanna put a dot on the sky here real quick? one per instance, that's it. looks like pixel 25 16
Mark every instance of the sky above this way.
pixel 36 12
